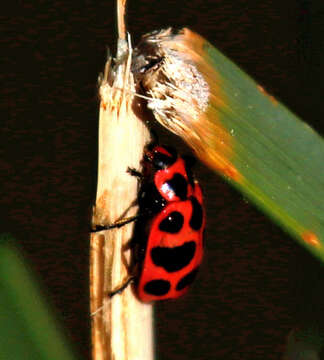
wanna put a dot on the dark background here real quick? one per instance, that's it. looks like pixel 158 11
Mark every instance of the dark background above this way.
pixel 256 284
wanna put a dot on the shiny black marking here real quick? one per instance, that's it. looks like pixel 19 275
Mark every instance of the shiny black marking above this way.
pixel 163 161
pixel 173 259
pixel 179 185
pixel 157 287
pixel 172 223
pixel 187 280
pixel 197 214
pixel 150 199
pixel 160 160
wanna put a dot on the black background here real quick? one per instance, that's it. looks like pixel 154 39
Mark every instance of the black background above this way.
pixel 256 284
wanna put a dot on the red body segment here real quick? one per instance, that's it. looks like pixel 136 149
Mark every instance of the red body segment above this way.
pixel 173 164
pixel 172 243
pixel 182 256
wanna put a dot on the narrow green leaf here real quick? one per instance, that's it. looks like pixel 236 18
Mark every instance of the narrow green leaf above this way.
pixel 27 328
pixel 236 128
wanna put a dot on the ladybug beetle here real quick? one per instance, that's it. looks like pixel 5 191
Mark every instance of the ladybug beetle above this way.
pixel 169 238
pixel 168 235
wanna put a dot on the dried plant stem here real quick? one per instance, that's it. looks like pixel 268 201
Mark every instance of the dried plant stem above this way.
pixel 121 326
pixel 121 5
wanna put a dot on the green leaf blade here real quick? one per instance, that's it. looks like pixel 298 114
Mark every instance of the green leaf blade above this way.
pixel 245 134
pixel 27 328
pixel 279 156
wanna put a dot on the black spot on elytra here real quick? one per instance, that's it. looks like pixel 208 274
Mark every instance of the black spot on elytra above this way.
pixel 162 161
pixel 197 214
pixel 179 185
pixel 173 259
pixel 157 287
pixel 187 280
pixel 172 223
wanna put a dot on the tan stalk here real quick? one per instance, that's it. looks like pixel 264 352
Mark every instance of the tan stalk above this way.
pixel 121 325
